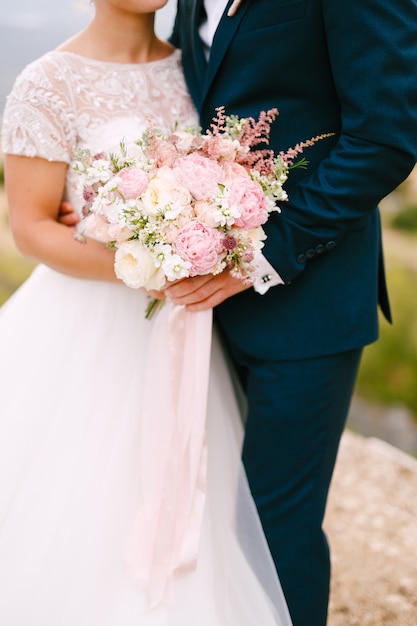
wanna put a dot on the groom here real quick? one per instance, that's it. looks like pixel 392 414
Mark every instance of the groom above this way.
pixel 347 67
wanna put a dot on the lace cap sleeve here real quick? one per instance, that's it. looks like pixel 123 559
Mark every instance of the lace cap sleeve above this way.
pixel 38 118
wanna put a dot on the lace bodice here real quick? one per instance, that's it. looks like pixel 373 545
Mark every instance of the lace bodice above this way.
pixel 64 101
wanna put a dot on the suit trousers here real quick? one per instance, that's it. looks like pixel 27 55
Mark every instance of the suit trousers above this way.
pixel 297 411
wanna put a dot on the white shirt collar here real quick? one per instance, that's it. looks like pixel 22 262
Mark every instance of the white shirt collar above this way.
pixel 214 11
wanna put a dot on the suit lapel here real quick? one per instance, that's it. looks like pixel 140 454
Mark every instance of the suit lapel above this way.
pixel 222 39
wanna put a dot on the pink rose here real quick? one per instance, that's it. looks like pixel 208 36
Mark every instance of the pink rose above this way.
pixel 133 181
pixel 206 213
pixel 170 228
pixel 232 170
pixel 97 227
pixel 185 141
pixel 200 175
pixel 222 147
pixel 165 154
pixel 247 196
pixel 199 245
pixel 170 232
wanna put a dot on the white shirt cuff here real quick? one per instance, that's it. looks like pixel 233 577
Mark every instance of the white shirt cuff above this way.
pixel 265 276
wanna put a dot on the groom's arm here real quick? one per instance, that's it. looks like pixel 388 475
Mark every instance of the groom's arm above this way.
pixel 372 48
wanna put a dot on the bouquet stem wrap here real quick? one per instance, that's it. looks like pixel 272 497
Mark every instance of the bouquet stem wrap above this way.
pixel 166 533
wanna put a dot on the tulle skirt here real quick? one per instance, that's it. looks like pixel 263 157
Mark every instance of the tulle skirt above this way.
pixel 73 357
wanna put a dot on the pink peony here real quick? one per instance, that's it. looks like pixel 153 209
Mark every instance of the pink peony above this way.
pixel 132 183
pixel 199 245
pixel 247 196
pixel 200 175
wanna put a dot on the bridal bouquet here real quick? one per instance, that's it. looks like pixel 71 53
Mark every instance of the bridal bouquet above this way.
pixel 177 205
pixel 186 203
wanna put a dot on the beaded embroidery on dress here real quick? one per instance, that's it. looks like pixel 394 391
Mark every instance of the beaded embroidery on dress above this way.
pixel 72 359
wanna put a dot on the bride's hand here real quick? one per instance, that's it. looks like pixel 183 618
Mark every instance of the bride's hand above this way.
pixel 156 295
pixel 66 215
pixel 204 292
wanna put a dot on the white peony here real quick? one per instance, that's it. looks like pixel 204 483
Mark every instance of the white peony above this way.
pixel 135 266
pixel 165 194
pixel 257 237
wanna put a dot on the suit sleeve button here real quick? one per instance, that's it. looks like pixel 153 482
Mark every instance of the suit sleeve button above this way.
pixel 320 249
pixel 310 254
pixel 301 258
pixel 330 245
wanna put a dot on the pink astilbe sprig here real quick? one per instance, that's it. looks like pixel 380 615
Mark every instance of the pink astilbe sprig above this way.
pixel 257 131
pixel 298 149
pixel 248 133
pixel 218 124
pixel 150 139
pixel 261 161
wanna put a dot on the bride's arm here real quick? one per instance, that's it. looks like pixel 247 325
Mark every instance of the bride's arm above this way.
pixel 35 189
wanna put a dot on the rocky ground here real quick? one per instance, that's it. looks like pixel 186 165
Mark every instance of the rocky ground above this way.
pixel 371 524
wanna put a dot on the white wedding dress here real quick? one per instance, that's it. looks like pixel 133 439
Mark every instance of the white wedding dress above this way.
pixel 73 356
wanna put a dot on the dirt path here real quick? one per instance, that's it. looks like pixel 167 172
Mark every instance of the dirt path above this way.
pixel 371 523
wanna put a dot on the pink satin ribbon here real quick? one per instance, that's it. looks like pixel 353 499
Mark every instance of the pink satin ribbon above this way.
pixel 166 533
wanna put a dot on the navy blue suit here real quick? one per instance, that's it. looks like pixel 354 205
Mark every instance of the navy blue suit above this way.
pixel 347 67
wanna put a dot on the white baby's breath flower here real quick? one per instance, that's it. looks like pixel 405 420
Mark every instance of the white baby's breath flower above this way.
pixel 108 203
pixel 271 202
pixel 100 171
pixel 131 215
pixel 173 210
pixel 225 215
pixel 161 252
pixel 175 268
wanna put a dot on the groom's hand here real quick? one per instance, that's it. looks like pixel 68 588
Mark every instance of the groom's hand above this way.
pixel 67 216
pixel 204 292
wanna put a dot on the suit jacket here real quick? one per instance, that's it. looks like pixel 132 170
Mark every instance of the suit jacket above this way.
pixel 343 66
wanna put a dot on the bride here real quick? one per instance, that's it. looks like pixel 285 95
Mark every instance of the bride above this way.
pixel 74 357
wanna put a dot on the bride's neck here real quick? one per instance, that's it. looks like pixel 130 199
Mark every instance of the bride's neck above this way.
pixel 123 40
